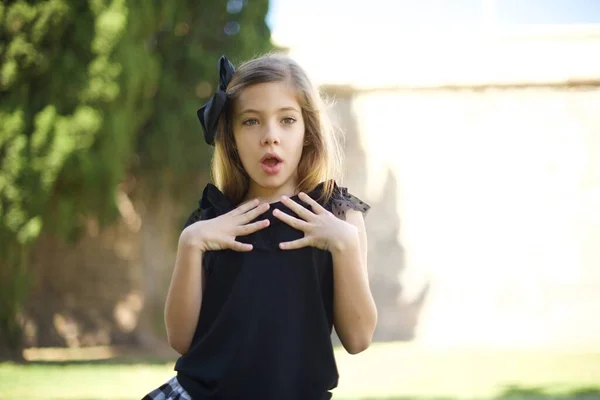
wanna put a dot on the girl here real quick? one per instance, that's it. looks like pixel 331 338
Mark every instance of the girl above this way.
pixel 276 253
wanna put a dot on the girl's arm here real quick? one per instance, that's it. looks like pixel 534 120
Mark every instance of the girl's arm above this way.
pixel 355 313
pixel 182 309
pixel 184 298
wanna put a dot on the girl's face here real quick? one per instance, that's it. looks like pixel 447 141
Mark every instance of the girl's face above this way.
pixel 269 134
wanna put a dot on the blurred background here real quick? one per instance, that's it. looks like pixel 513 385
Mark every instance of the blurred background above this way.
pixel 472 127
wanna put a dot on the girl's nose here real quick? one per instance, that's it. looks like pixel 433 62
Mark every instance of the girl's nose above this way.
pixel 270 134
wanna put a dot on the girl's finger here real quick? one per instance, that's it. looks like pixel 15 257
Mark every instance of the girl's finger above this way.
pixel 251 228
pixel 316 207
pixel 302 212
pixel 239 246
pixel 291 221
pixel 253 214
pixel 245 207
pixel 295 244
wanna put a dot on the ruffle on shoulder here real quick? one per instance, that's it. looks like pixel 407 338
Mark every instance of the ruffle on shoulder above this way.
pixel 213 197
pixel 342 201
pixel 194 217
pixel 212 200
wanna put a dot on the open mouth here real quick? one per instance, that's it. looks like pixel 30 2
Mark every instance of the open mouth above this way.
pixel 271 163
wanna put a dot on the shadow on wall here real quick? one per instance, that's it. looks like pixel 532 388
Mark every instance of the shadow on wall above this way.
pixel 107 289
pixel 397 316
pixel 110 287
pixel 83 295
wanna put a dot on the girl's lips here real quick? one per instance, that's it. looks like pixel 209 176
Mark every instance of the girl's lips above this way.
pixel 271 166
pixel 271 163
pixel 269 155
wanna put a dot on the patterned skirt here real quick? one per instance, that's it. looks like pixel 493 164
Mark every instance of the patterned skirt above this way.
pixel 170 390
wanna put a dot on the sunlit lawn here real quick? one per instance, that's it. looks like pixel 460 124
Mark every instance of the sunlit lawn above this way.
pixel 385 371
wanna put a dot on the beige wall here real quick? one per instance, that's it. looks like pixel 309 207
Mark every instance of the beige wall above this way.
pixel 489 193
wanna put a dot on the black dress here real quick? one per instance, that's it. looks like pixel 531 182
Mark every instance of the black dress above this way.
pixel 264 330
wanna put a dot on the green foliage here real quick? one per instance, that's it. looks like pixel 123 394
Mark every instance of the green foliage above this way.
pixel 93 90
pixel 57 78
pixel 187 43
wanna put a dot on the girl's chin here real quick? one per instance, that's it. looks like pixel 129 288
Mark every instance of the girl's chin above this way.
pixel 270 180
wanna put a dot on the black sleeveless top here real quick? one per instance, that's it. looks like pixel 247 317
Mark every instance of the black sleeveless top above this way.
pixel 264 330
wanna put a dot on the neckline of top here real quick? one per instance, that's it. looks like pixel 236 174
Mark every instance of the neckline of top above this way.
pixel 212 196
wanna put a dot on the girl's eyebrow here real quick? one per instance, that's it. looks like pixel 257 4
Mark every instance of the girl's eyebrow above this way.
pixel 250 110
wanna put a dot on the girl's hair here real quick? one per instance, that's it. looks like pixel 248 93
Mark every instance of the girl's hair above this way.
pixel 321 158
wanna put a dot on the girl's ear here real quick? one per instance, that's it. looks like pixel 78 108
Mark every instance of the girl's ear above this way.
pixel 306 141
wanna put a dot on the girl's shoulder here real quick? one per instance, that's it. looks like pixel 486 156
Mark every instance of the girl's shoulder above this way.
pixel 212 202
pixel 341 200
pixel 198 214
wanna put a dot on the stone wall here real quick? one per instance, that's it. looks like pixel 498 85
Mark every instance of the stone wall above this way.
pixel 486 221
pixel 110 287
pixel 480 152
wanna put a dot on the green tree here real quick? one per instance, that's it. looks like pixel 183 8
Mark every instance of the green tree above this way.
pixel 57 76
pixel 188 42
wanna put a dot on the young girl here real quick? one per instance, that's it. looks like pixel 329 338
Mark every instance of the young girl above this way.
pixel 276 253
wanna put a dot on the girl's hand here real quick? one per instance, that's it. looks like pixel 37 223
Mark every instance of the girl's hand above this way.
pixel 219 233
pixel 321 228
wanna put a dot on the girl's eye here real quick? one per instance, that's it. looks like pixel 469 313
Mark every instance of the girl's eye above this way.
pixel 289 120
pixel 250 122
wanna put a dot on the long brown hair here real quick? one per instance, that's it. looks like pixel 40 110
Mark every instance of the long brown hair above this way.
pixel 321 159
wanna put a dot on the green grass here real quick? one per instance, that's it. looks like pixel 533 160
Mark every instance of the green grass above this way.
pixel 400 370
pixel 385 371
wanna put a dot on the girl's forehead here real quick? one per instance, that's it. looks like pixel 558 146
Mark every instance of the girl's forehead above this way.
pixel 266 96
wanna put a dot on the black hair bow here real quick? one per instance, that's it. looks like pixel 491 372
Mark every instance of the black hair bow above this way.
pixel 209 113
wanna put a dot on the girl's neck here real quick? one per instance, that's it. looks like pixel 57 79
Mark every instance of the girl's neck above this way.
pixel 271 194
